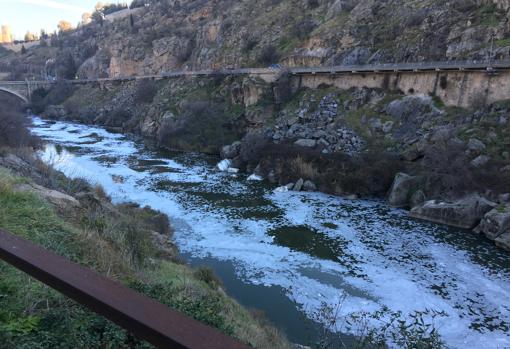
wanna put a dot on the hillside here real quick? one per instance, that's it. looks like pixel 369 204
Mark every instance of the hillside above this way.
pixel 196 34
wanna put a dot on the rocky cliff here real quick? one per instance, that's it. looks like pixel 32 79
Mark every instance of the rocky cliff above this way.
pixel 196 34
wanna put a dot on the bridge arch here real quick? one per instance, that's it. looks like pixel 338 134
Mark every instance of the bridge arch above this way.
pixel 15 93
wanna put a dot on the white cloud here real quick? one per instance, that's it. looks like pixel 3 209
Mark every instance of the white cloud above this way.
pixel 55 5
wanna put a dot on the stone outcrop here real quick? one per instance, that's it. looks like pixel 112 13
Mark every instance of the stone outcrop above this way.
pixel 496 222
pixel 464 213
pixel 60 200
pixel 401 190
pixel 503 241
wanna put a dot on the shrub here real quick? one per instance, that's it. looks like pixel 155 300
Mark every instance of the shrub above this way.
pixel 303 28
pixel 268 55
pixel 202 126
pixel 14 131
pixel 249 44
pixel 57 94
pixel 368 174
pixel 207 275
pixel 253 147
pixel 447 169
pixel 145 91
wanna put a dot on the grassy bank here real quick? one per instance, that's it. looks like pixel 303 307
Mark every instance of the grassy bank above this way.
pixel 119 242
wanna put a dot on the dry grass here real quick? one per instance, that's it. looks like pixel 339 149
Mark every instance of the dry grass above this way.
pixel 304 169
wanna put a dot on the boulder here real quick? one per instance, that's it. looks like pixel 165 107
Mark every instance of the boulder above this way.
pixel 231 151
pixel 307 143
pixel 309 186
pixel 417 198
pixel 505 169
pixel 255 177
pixel 401 189
pixel 476 145
pixel 503 241
pixel 464 213
pixel 496 222
pixel 56 198
pixel 289 186
pixel 480 161
pixel 299 185
pixel 224 165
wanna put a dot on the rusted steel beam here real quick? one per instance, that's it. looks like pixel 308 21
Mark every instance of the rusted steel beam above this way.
pixel 142 316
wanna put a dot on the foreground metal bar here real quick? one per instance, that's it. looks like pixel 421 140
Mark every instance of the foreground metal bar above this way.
pixel 144 317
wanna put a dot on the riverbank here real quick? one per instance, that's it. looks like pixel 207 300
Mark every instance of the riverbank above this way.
pixel 126 242
pixel 440 163
pixel 295 255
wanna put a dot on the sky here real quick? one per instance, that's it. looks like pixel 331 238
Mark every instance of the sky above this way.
pixel 34 15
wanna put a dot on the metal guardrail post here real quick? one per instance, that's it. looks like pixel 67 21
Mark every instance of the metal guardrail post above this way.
pixel 144 317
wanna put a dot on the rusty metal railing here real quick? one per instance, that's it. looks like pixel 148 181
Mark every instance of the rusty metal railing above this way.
pixel 142 316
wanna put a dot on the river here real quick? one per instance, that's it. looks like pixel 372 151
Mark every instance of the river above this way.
pixel 290 254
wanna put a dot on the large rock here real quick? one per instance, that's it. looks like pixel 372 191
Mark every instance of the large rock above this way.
pixel 299 185
pixel 476 145
pixel 464 213
pixel 309 186
pixel 56 198
pixel 231 151
pixel 496 222
pixel 503 241
pixel 400 191
pixel 480 161
pixel 307 143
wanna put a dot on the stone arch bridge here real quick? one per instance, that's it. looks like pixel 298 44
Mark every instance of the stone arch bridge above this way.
pixel 22 89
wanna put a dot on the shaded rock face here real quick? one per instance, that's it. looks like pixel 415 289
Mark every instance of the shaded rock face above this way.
pixel 496 222
pixel 401 190
pixel 465 213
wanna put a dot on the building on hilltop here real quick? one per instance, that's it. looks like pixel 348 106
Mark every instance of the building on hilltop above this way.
pixel 6 35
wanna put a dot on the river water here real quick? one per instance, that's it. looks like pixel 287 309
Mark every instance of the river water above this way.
pixel 289 254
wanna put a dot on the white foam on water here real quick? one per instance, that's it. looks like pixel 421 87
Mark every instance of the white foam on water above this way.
pixel 386 258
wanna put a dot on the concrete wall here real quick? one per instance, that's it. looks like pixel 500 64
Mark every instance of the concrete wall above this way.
pixel 460 88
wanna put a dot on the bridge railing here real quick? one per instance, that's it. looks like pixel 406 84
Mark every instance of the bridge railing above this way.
pixel 144 317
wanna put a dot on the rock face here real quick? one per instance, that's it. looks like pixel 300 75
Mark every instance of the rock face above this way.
pixel 299 185
pixel 496 222
pixel 465 213
pixel 400 192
